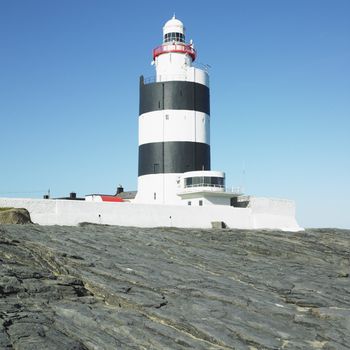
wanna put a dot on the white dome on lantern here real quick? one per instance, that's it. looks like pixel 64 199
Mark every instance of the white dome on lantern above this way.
pixel 173 26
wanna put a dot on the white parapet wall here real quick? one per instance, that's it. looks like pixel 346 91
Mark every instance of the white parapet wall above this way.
pixel 271 211
pixel 264 213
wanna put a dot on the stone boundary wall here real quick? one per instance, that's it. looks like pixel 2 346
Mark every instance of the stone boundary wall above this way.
pixel 262 213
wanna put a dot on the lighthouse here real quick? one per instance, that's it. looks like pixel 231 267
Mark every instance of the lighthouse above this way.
pixel 174 124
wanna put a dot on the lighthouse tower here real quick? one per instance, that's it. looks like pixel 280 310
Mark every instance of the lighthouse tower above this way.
pixel 174 120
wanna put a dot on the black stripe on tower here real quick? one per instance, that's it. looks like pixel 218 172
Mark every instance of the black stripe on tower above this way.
pixel 173 157
pixel 174 95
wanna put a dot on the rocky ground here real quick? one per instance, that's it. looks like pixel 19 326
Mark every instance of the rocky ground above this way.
pixel 14 216
pixel 104 287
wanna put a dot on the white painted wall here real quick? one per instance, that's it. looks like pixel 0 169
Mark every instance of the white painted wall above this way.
pixel 94 198
pixel 67 212
pixel 206 200
pixel 172 63
pixel 174 125
pixel 198 76
pixel 178 66
pixel 157 183
pixel 261 205
pixel 213 200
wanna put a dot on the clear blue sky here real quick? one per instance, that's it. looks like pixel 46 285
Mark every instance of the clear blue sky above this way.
pixel 280 95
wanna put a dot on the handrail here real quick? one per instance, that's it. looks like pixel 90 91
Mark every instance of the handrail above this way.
pixel 205 185
pixel 167 77
pixel 150 80
pixel 181 48
pixel 213 187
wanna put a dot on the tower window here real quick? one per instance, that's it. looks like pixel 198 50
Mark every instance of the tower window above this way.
pixel 154 195
pixel 169 37
pixel 200 203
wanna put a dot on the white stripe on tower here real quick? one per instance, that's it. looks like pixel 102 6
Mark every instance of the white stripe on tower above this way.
pixel 174 125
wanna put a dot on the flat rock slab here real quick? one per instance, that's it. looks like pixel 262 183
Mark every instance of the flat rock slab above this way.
pixel 107 287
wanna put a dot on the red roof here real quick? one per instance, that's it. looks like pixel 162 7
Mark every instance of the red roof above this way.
pixel 106 198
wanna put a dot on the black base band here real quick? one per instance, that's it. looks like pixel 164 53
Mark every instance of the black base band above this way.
pixel 173 157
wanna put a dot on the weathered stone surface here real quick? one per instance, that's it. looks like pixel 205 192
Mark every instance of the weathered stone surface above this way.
pixel 104 287
pixel 14 216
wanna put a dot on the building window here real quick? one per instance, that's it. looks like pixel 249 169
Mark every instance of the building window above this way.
pixel 154 195
pixel 200 203
pixel 189 203
pixel 205 181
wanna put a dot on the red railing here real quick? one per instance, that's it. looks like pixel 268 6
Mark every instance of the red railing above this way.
pixel 182 48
